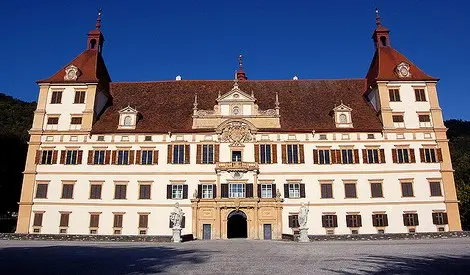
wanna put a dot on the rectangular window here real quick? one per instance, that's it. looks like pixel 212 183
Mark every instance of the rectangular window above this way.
pixel 430 155
pixel 379 220
pixel 294 190
pixel 94 220
pixel 236 190
pixel 76 121
pixel 56 97
pixel 41 191
pixel 64 219
pixel 373 156
pixel 71 157
pixel 266 190
pixel 67 191
pixel 420 95
pixel 207 191
pixel 424 120
pixel 329 221
pixel 147 157
pixel 394 95
pixel 324 156
pixel 410 219
pixel 208 154
pixel 123 157
pixel 265 153
pixel 98 156
pixel 236 156
pixel 407 189
pixel 177 191
pixel 79 97
pixel 294 221
pixel 95 191
pixel 350 190
pixel 353 221
pixel 37 219
pixel 398 118
pixel 178 154
pixel 376 190
pixel 53 120
pixel 47 156
pixel 347 156
pixel 144 192
pixel 117 221
pixel 403 155
pixel 435 189
pixel 292 153
pixel 120 192
pixel 143 220
pixel 326 190
pixel 439 218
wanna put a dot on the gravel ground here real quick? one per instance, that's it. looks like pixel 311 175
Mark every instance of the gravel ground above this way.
pixel 441 256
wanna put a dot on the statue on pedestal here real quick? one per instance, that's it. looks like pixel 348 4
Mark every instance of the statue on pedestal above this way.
pixel 176 217
pixel 303 215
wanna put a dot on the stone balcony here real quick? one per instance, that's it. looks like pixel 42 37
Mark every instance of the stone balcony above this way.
pixel 237 166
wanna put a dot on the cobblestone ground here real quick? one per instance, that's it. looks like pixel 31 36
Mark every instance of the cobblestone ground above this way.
pixel 442 256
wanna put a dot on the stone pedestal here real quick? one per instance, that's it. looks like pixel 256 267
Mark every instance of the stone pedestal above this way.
pixel 177 235
pixel 303 235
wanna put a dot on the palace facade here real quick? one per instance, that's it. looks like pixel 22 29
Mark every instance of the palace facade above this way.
pixel 241 156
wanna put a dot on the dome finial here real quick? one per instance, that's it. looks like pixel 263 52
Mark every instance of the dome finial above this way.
pixel 98 19
pixel 240 62
pixel 377 17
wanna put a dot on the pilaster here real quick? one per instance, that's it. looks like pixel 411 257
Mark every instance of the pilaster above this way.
pixel 385 110
pixel 88 114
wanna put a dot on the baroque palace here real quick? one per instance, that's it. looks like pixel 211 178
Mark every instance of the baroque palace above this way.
pixel 240 157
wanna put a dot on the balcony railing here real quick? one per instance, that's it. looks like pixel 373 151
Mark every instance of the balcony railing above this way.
pixel 237 166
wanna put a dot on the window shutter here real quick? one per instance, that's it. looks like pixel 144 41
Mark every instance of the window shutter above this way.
pixel 186 153
pixel 274 153
pixel 257 153
pixel 323 221
pixel 385 220
pixel 216 152
pixel 439 154
pixel 273 190
pixel 444 215
pixel 54 156
pixel 302 190
pixel 155 157
pixel 79 156
pixel 394 156
pixel 405 223
pixel 62 157
pixel 421 155
pixel 349 220
pixel 434 218
pixel 415 218
pixel 224 190
pixel 359 220
pixel 214 190
pixel 199 154
pixel 286 190
pixel 107 157
pixel 259 190
pixel 333 156
pixel 249 190
pixel 138 157
pixel 374 220
pixel 356 156
pixel 338 156
pixel 382 156
pixel 168 191
pixel 185 191
pixel 113 157
pixel 412 155
pixel 301 153
pixel 284 153
pixel 90 157
pixel 170 154
pixel 38 157
pixel 315 156
pixel 199 191
pixel 335 221
pixel 364 156
pixel 131 157
pixel 291 221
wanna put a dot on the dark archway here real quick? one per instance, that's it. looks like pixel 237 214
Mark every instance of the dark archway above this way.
pixel 236 225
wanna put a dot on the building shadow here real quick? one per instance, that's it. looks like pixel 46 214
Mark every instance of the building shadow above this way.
pixel 412 264
pixel 95 259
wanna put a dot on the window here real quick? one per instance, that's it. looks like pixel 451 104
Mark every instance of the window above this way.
pixel 420 95
pixel 424 120
pixel 410 219
pixel 98 157
pixel 324 157
pixel 177 191
pixel 435 189
pixel 147 157
pixel 144 192
pixel 329 221
pixel 71 157
pixel 370 136
pixel 294 190
pixel 347 156
pixel 94 220
pixel 326 190
pixel 265 153
pixel 376 190
pixel 403 155
pixel 322 137
pixel 53 120
pixel 148 138
pixel 266 190
pixel 373 156
pixel 292 153
pixel 76 121
pixel 122 157
pixel 67 191
pixel 294 221
pixel 95 191
pixel 56 97
pixel 64 219
pixel 178 154
pixel 207 153
pixel 407 189
pixel 379 220
pixel 207 191
pixel 350 190
pixel 398 121
pixel 47 156
pixel 343 118
pixel 236 190
pixel 120 192
pixel 428 155
pixel 100 138
pixel 79 97
pixel 143 220
pixel 236 156
pixel 394 95
pixel 127 121
pixel 439 218
pixel 353 220
pixel 37 219
pixel 41 191
pixel 117 221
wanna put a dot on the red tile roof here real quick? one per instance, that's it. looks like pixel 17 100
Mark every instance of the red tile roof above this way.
pixel 305 105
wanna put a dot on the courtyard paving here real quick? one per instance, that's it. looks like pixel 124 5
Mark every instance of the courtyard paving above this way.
pixel 441 256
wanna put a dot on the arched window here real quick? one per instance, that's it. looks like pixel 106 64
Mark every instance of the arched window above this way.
pixel 343 118
pixel 383 40
pixel 92 43
pixel 127 121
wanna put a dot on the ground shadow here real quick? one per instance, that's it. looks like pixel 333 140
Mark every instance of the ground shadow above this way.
pixel 95 259
pixel 411 264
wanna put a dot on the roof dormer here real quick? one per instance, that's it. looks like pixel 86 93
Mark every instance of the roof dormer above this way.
pixel 342 116
pixel 128 118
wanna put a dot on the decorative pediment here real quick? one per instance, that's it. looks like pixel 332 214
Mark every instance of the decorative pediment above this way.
pixel 72 72
pixel 128 118
pixel 236 95
pixel 236 132
pixel 342 116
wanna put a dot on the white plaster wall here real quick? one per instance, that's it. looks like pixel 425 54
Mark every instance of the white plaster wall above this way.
pixel 66 108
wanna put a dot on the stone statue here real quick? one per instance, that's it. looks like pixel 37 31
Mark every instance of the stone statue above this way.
pixel 195 194
pixel 303 215
pixel 176 217
pixel 278 193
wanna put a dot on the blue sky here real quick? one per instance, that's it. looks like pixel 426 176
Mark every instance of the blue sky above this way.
pixel 157 40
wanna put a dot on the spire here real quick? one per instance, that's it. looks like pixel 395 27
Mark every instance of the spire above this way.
pixel 377 17
pixel 277 104
pixel 95 37
pixel 240 74
pixel 98 20
pixel 240 63
pixel 195 105
pixel 381 33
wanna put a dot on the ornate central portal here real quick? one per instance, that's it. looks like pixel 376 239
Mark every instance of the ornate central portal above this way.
pixel 236 225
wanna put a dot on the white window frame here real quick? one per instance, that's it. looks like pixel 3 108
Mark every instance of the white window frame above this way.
pixel 236 190
pixel 294 190
pixel 266 191
pixel 207 191
pixel 177 191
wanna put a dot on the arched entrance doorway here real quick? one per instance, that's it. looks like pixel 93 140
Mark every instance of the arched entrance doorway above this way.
pixel 236 225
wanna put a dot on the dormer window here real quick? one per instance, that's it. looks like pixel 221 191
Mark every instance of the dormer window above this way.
pixel 128 118
pixel 342 116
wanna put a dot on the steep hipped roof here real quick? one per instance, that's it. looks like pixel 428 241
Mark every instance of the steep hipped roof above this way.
pixel 305 105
